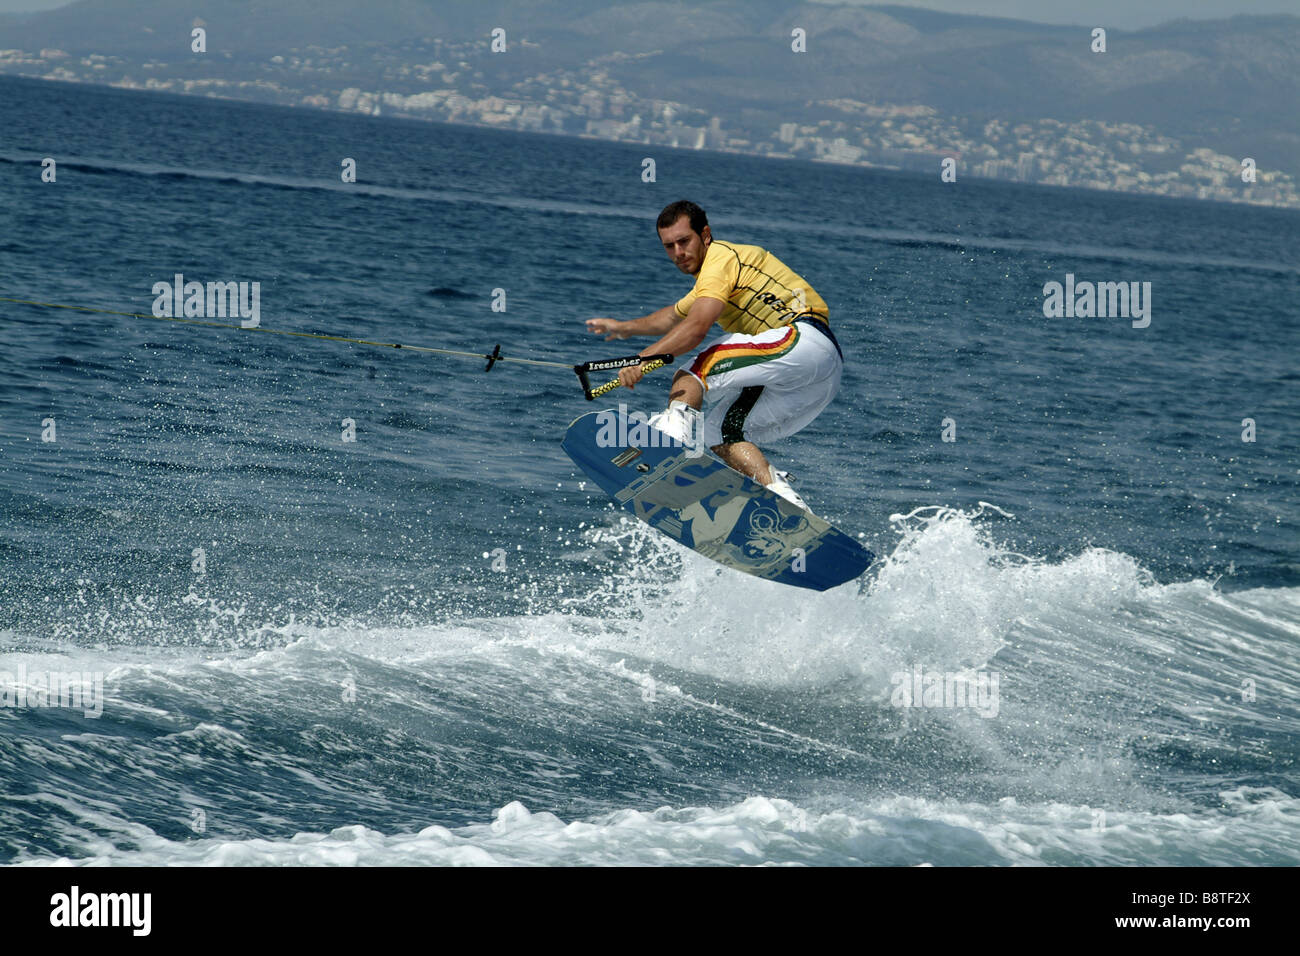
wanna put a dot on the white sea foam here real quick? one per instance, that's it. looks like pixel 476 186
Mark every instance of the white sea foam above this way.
pixel 946 597
pixel 1254 827
pixel 1110 680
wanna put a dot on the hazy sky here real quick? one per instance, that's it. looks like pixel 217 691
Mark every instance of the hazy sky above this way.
pixel 1122 14
pixel 23 6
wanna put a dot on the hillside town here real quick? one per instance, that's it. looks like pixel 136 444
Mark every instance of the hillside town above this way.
pixel 453 88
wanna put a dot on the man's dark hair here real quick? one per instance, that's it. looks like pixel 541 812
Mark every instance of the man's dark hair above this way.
pixel 683 207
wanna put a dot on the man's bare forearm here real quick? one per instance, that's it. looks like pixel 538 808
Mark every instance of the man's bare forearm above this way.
pixel 690 332
pixel 656 323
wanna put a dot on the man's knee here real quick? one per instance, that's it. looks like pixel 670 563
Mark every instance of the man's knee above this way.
pixel 686 388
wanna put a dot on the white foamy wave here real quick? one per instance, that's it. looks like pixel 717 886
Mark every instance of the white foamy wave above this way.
pixel 895 831
pixel 947 596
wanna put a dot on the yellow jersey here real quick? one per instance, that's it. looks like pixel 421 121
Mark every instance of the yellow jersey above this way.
pixel 760 291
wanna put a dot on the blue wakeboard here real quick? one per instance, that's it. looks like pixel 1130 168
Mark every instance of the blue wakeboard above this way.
pixel 698 501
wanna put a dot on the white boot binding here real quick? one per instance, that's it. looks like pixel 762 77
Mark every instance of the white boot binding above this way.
pixel 676 421
pixel 780 483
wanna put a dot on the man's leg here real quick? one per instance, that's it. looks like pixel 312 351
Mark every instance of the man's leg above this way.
pixel 686 388
pixel 680 420
pixel 743 456
pixel 771 384
pixel 765 387
pixel 746 458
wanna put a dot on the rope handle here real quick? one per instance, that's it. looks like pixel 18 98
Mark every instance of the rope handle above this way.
pixel 600 390
pixel 648 363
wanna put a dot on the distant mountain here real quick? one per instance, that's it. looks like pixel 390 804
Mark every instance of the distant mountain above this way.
pixel 1232 84
pixel 1185 78
pixel 248 27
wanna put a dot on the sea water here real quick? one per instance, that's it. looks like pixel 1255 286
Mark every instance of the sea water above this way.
pixel 425 637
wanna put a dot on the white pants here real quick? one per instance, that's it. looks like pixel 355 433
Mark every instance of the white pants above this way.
pixel 767 386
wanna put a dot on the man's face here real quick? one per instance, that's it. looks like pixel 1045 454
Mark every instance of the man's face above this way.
pixel 685 248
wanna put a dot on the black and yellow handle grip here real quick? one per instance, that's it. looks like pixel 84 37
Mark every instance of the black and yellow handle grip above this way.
pixel 648 363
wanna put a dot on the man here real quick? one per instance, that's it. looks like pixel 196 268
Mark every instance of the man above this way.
pixel 775 369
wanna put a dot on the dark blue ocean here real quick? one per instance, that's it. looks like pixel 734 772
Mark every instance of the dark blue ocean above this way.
pixel 439 644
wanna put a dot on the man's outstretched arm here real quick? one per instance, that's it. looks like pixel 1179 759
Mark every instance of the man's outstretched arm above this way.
pixel 656 323
pixel 680 339
pixel 691 331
